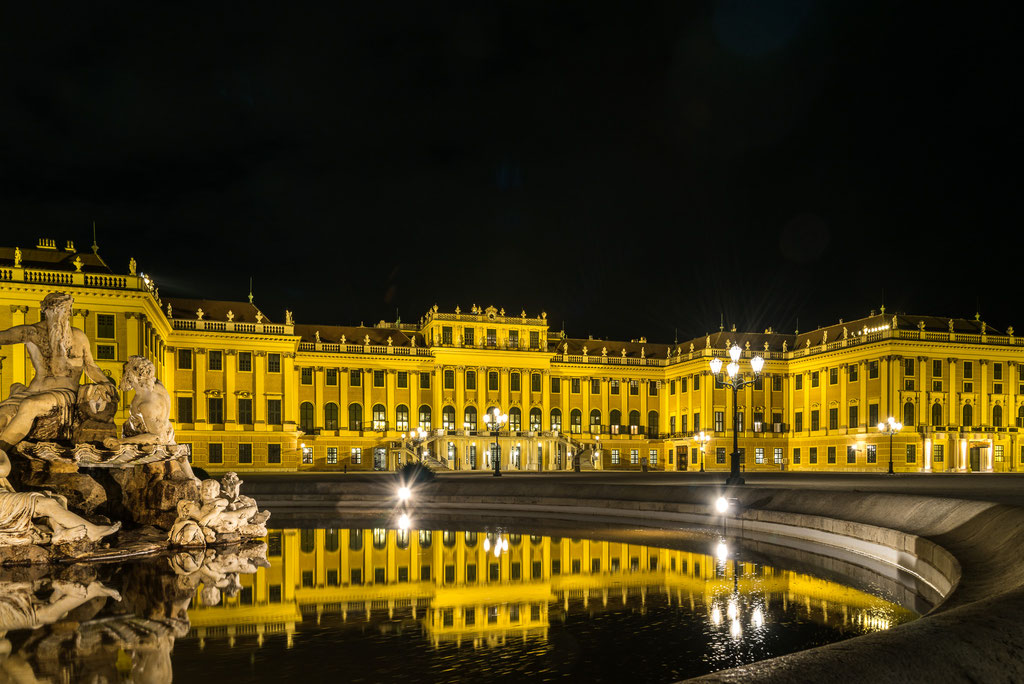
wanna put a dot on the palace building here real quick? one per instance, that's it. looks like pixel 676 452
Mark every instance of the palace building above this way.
pixel 258 391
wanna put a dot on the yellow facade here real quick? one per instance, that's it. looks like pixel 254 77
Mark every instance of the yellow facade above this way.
pixel 255 395
pixel 464 594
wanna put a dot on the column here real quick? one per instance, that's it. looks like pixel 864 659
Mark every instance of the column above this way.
pixel 318 397
pixel 927 454
pixel 289 390
pixel 169 366
pixel 435 386
pixel 390 396
pixel 983 417
pixel 885 408
pixel 19 366
pixel 367 400
pixel 844 409
pixel 503 389
pixel 199 381
pixel 545 411
pixel 230 400
pixel 259 399
pixel 862 412
pixel 414 399
pixel 133 336
pixel 460 397
pixel 952 400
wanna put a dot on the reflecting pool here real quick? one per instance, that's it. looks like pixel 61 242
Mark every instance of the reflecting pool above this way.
pixel 454 605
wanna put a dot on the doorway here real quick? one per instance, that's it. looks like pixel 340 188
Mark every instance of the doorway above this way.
pixel 975 455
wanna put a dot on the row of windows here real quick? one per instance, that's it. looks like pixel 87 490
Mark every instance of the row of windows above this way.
pixel 215 361
pixel 490 337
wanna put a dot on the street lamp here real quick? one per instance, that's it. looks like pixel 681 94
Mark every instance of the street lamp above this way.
pixel 495 420
pixel 890 427
pixel 702 438
pixel 736 381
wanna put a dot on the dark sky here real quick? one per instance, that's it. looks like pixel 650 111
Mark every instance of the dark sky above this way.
pixel 631 169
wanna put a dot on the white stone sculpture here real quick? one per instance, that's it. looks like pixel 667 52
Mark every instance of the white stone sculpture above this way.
pixel 60 355
pixel 23 608
pixel 149 413
pixel 22 513
pixel 222 514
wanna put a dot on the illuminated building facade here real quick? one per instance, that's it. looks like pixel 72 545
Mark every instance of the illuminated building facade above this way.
pixel 252 393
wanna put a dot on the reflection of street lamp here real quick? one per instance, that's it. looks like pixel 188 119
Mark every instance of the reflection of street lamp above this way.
pixel 702 438
pixel 890 427
pixel 736 381
pixel 495 420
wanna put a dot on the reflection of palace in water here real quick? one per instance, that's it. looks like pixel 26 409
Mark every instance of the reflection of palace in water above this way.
pixel 456 587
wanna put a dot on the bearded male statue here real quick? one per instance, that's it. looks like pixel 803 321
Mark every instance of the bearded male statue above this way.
pixel 59 354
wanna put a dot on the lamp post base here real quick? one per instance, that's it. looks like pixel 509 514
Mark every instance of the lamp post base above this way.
pixel 734 480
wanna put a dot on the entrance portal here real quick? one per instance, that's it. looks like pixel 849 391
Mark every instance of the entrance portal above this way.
pixel 975 455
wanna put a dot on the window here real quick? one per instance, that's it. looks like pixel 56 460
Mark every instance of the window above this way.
pixel 515 382
pixel 634 422
pixel 796 456
pixel 274 411
pixel 534 339
pixel 556 420
pixel 998 455
pixel 682 423
pixel 851 454
pixel 215 409
pixel 720 455
pixel 652 423
pixel 634 456
pixel 937 414
pixel 799 381
pixel 833 418
pixel 556 385
pixel 378 378
pixel 776 383
pixel 968 414
pixel 831 454
pixel 472 456
pixel 615 457
pixel 357 455
pixel 425 380
pixel 908 366
pixel 574 385
pixel 402 418
pixel 331 376
pixel 968 370
pixel 515 420
pixel 331 416
pixel 696 422
pixel 872 450
pixel 355 378
pixel 273 453
pixel 814 378
pixel 872 370
pixel 908 414
pixel 682 385
pixel 575 422
pixel 652 388
pixel 306 376
pixel 535 420
pixel 492 381
pixel 812 455
pixel 105 326
pixel 833 376
pixel 273 363
pixel 634 388
pixel 106 352
pixel 448 417
pixel 307 455
pixel 852 372
pixel 535 382
pixel 449 379
pixel 184 359
pixel 245 453
pixel 937 368
pixel 937 454
pixel 215 360
pixel 355 417
pixel 696 383
pixel 997 416
pixel 216 453
pixel 184 409
pixel 468 336
pixel 245 362
pixel 403 379
pixel 968 387
pixel 245 411
pixel 615 419
pixel 758 454
pixel 814 420
pixel 614 386
pixel 778 455
pixel 653 455
pixel 872 415
pixel 853 417
pixel 306 419
pixel 492 337
pixel 719 421
pixel 513 339
pixel 446 335
pixel 912 453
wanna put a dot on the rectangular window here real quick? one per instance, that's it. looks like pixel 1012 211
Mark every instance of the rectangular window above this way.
pixel 833 376
pixel 215 409
pixel 798 421
pixel 556 385
pixel 719 421
pixel 331 376
pixel 653 455
pixel 245 453
pixel 936 385
pixel 778 455
pixel 634 388
pixel 447 379
pixel 852 424
pixel 831 454
pixel 306 376
pixel 215 360
pixel 814 420
pixel 852 371
pixel 378 378
pixel 937 454
pixel 696 383
pixel 758 454
pixel 216 453
pixel 872 453
pixel 492 337
pixel 796 456
pixel 720 455
pixel 696 422
pixel 446 335
pixel 615 457
pixel 106 352
pixel 634 456
pixel 998 455
pixel 513 339
pixel 357 455
pixel 355 378
pixel 574 386
pixel 851 454
pixel 273 453
pixel 937 368
pixel 273 363
pixel 105 326
pixel 682 423
pixel 613 386
pixel 514 382
pixel 595 386
pixel 184 409
pixel 872 415
pixel 652 388
pixel 470 380
pixel 332 455
pixel 814 378
pixel 402 381
pixel 535 382
pixel 812 455
pixel 682 385
pixel 274 411
pixel 799 381
pixel 245 411
pixel 968 387
pixel 184 359
pixel 872 370
pixel 833 418
pixel 492 381
pixel 671 387
pixel 776 383
pixel 912 453
pixel 997 371
pixel 469 336
pixel 968 369
pixel 534 339
pixel 425 380
pixel 245 362
pixel 307 455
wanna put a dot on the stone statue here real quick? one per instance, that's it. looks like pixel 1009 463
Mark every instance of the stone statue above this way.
pixel 824 337
pixel 149 414
pixel 366 339
pixel 707 342
pixel 221 514
pixel 691 347
pixel 170 311
pixel 343 340
pixel 20 511
pixel 894 326
pixel 259 317
pixel 21 607
pixel 17 257
pixel 950 325
pixel 230 315
pixel 78 263
pixel 846 333
pixel 784 346
pixel 200 313
pixel 288 320
pixel 317 337
pixel 59 355
pixel 132 266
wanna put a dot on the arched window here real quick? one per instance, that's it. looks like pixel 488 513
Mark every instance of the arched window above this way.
pixel 331 540
pixel 307 541
pixel 968 414
pixel 652 423
pixel 426 536
pixel 448 418
pixel 380 537
pixel 1020 416
pixel 306 416
pixel 402 418
pixel 355 540
pixel 634 422
pixel 331 416
pixel 380 417
pixel 471 539
pixel 470 419
pixel 515 419
pixel 556 419
pixel 997 416
pixel 448 538
pixel 595 421
pixel 937 414
pixel 908 414
pixel 614 421
pixel 535 419
pixel 575 422
pixel 355 417
pixel 402 539
pixel 425 417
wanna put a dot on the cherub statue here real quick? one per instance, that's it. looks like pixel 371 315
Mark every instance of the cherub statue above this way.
pixel 217 512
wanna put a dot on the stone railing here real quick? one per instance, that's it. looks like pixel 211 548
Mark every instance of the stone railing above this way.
pixel 232 327
pixel 375 349
pixel 71 278
pixel 482 318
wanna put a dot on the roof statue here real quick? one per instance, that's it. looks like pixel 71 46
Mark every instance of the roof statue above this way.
pixel 691 347
pixel 170 311
pixel 1009 331
pixel 390 341
pixel 824 336
pixel 317 335
pixel 643 352
pixel 288 319
pixel 412 341
pixel 200 313
pixel 584 350
pixel 230 315
pixel 766 346
pixel 343 341
pixel 366 339
pixel 623 352
pixel 17 257
pixel 132 267
pixel 457 310
pixel 604 351
pixel 78 263
pixel 259 316
pixel 846 333
pixel 950 325
pixel 894 326
pixel 920 325
pixel 784 346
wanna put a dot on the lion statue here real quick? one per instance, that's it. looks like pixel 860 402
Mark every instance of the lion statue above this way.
pixel 148 421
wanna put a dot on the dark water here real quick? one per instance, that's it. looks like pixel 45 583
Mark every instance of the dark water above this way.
pixel 427 606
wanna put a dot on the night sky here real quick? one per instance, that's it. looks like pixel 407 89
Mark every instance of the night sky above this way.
pixel 632 169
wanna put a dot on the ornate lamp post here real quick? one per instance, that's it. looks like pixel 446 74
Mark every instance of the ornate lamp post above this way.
pixel 702 438
pixel 890 427
pixel 736 381
pixel 495 420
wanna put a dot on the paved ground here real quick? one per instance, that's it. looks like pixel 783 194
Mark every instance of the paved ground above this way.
pixel 998 488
